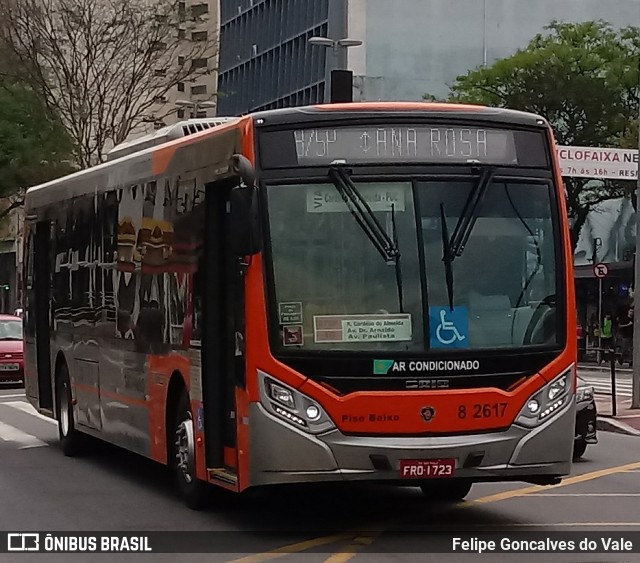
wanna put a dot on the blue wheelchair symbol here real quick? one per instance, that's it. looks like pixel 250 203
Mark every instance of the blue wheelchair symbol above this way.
pixel 448 329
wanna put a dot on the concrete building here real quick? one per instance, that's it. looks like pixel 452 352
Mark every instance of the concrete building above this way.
pixel 196 97
pixel 410 47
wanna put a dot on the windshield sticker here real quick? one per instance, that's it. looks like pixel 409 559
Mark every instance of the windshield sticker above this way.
pixel 380 197
pixel 447 328
pixel 290 313
pixel 362 328
pixel 292 335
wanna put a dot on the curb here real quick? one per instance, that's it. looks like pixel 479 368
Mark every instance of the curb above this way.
pixel 607 424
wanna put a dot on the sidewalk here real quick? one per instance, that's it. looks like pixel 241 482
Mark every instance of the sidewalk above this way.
pixel 626 421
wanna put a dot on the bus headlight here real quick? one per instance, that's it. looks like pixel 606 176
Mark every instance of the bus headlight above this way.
pixel 281 395
pixel 288 404
pixel 546 402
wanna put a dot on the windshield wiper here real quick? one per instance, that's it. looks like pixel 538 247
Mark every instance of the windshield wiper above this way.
pixel 397 259
pixel 371 227
pixel 469 214
pixel 447 257
pixel 362 212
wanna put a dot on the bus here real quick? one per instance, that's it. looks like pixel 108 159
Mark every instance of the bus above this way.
pixel 376 292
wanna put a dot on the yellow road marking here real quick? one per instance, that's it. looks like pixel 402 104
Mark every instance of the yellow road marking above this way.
pixel 351 550
pixel 293 548
pixel 565 482
pixel 359 541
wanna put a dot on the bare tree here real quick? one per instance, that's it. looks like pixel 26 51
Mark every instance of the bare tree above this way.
pixel 105 65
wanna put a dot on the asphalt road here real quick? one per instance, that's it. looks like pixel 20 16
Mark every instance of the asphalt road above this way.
pixel 112 490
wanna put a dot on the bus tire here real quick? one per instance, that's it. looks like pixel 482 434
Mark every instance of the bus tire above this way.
pixel 442 490
pixel 70 438
pixel 182 456
pixel 579 447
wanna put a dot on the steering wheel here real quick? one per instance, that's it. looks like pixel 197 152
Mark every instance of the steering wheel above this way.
pixel 543 314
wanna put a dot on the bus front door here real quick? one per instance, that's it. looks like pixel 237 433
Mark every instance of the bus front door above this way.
pixel 223 298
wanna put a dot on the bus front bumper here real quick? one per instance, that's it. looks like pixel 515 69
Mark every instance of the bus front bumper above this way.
pixel 281 453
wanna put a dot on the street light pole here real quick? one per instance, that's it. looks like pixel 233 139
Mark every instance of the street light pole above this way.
pixel 346 82
pixel 195 105
pixel 635 378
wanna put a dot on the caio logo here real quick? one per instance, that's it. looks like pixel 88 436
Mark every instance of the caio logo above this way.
pixel 427 413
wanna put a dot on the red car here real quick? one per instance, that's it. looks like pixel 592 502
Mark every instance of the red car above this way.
pixel 11 349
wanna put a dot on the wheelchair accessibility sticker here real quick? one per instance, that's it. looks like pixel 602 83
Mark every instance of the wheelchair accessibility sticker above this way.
pixel 447 328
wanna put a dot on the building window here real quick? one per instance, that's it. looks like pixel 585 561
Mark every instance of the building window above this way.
pixel 180 60
pixel 181 33
pixel 182 11
pixel 199 63
pixel 201 114
pixel 160 72
pixel 196 90
pixel 199 36
pixel 198 10
pixel 180 114
pixel 180 86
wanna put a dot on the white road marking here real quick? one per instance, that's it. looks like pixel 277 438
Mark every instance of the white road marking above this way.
pixel 585 494
pixel 10 433
pixel 13 396
pixel 28 408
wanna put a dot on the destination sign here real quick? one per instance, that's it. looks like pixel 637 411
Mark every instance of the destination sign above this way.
pixel 402 144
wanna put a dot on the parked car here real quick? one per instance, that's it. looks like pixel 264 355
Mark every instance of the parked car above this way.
pixel 586 432
pixel 11 349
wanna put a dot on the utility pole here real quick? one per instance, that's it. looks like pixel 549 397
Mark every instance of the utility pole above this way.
pixel 635 377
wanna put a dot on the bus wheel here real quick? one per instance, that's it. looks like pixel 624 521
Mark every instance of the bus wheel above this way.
pixel 452 490
pixel 70 438
pixel 183 458
pixel 579 448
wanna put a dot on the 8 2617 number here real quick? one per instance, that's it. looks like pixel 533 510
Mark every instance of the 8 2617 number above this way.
pixel 482 410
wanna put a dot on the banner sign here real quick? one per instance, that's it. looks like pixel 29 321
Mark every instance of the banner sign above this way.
pixel 618 542
pixel 597 162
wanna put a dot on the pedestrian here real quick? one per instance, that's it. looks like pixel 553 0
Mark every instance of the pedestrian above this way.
pixel 625 328
pixel 606 336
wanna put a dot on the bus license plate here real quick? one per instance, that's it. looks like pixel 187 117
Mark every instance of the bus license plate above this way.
pixel 9 367
pixel 427 468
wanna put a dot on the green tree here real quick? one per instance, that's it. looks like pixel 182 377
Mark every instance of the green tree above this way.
pixel 583 78
pixel 34 146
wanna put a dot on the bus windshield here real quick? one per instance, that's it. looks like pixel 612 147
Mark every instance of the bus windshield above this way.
pixel 334 290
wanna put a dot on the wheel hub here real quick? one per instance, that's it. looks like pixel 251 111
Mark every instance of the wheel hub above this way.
pixel 185 446
pixel 64 411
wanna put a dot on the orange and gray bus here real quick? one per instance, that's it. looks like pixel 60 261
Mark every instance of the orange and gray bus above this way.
pixel 347 292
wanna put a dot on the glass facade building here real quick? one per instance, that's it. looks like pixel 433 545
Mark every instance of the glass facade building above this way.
pixel 266 60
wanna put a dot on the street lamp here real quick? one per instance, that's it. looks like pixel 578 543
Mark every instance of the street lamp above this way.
pixel 195 105
pixel 326 42
pixel 341 80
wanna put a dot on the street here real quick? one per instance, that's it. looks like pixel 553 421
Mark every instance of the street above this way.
pixel 110 489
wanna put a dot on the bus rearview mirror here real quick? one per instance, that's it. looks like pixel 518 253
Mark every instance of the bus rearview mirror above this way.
pixel 241 166
pixel 244 228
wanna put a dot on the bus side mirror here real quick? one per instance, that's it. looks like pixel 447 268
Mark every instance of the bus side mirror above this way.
pixel 246 238
pixel 244 228
pixel 241 166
